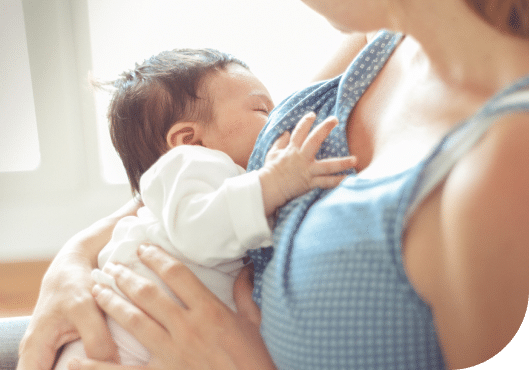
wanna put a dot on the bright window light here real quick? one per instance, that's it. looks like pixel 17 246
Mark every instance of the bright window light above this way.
pixel 19 142
pixel 283 41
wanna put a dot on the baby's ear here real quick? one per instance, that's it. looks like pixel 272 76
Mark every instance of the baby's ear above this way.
pixel 184 133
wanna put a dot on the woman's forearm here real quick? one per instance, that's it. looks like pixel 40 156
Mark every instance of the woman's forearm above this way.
pixel 86 245
pixel 65 309
pixel 340 60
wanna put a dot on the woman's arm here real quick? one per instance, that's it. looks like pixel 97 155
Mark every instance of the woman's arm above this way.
pixel 347 51
pixel 65 308
pixel 485 223
pixel 205 334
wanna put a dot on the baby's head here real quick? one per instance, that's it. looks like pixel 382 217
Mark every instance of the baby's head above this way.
pixel 186 96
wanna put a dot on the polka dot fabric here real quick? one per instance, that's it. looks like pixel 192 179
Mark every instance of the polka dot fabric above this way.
pixel 333 291
pixel 335 97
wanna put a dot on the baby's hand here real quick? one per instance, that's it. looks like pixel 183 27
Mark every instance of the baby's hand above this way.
pixel 291 168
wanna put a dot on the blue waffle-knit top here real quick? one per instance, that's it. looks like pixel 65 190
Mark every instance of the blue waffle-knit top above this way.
pixel 333 290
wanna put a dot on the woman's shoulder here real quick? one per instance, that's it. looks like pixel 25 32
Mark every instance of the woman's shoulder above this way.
pixel 491 182
pixel 484 224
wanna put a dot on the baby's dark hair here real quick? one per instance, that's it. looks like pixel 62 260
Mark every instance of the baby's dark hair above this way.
pixel 148 100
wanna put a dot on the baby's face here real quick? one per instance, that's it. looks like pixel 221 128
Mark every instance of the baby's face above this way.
pixel 241 105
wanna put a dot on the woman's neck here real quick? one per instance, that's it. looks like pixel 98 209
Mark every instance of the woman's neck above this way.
pixel 465 51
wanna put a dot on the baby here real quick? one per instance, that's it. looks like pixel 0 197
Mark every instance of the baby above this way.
pixel 184 123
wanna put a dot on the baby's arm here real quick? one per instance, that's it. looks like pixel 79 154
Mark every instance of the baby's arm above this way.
pixel 211 210
pixel 291 168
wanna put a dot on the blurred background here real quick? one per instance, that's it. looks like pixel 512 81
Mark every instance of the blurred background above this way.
pixel 58 170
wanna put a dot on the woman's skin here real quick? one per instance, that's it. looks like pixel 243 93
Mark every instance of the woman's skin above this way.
pixel 66 309
pixel 351 45
pixel 465 249
pixel 225 340
pixel 469 238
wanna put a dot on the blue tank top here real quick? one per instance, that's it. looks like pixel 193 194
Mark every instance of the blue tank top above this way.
pixel 333 292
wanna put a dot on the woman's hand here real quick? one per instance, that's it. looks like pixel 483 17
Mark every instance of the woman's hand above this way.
pixel 64 312
pixel 66 309
pixel 205 334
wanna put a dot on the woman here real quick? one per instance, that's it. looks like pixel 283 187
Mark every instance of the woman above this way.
pixel 419 261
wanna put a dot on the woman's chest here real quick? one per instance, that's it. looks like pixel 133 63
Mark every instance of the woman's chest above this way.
pixel 404 114
pixel 340 287
pixel 394 127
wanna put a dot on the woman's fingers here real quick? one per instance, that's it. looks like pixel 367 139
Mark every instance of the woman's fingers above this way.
pixel 177 276
pixel 145 294
pixel 65 311
pixel 94 332
pixel 242 294
pixel 132 319
pixel 204 335
pixel 92 328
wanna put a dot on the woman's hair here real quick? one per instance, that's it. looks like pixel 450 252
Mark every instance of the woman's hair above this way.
pixel 510 16
pixel 148 100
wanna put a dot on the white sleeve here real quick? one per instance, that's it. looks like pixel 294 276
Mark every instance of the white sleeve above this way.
pixel 211 210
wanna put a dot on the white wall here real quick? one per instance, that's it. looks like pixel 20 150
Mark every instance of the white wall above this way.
pixel 75 182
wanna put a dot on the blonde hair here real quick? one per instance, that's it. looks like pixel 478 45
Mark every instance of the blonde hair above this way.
pixel 510 16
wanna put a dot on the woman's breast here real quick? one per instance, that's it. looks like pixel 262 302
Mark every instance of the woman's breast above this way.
pixel 336 296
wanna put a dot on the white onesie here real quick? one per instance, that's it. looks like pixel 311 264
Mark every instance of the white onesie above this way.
pixel 203 209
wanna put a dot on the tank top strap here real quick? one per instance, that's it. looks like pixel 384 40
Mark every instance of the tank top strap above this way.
pixel 462 138
pixel 362 72
pixel 336 97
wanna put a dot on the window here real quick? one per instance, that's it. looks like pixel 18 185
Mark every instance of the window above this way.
pixel 19 143
pixel 59 190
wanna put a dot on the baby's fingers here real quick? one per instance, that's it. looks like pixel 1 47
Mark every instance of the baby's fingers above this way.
pixel 333 165
pixel 326 182
pixel 281 142
pixel 88 364
pixel 313 143
pixel 302 129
